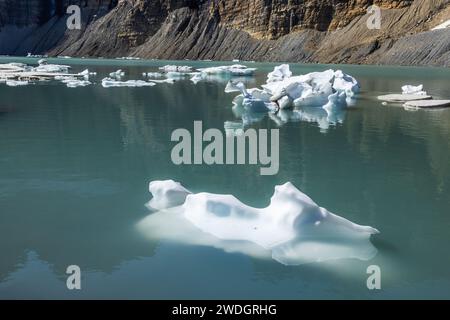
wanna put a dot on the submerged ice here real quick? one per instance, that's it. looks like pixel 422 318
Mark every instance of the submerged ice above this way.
pixel 293 229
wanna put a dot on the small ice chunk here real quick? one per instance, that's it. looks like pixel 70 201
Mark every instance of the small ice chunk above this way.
pixel 418 90
pixel 117 74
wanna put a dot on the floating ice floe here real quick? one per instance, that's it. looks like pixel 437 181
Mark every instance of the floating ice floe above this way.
pixel 233 70
pixel 75 83
pixel 51 68
pixel 17 74
pixel 153 75
pixel 111 83
pixel 178 69
pixel 16 83
pixel 293 229
pixel 427 104
pixel 169 81
pixel 30 55
pixel 409 93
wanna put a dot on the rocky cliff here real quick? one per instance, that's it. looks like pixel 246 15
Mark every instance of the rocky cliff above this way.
pixel 329 31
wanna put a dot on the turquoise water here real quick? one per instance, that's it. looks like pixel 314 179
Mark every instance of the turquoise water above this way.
pixel 75 166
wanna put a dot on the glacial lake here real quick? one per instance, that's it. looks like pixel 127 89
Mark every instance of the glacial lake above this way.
pixel 75 164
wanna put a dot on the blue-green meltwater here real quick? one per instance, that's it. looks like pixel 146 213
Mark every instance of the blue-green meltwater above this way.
pixel 76 163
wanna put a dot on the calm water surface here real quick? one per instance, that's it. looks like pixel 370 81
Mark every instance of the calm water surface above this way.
pixel 75 166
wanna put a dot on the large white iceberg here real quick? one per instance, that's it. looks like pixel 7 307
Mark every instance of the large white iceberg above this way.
pixel 317 89
pixel 293 229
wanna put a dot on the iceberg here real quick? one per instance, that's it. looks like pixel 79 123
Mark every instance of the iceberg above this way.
pixel 329 91
pixel 316 89
pixel 293 229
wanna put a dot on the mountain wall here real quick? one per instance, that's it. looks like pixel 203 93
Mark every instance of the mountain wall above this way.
pixel 325 31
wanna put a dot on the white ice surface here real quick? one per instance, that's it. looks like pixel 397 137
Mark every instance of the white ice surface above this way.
pixel 315 89
pixel 233 70
pixel 409 89
pixel 293 228
pixel 16 83
pixel 179 69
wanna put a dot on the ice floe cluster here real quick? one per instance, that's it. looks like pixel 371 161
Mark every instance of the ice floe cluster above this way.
pixel 293 229
pixel 414 97
pixel 213 74
pixel 19 74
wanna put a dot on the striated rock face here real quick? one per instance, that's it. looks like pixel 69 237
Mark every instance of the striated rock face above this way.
pixel 276 30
